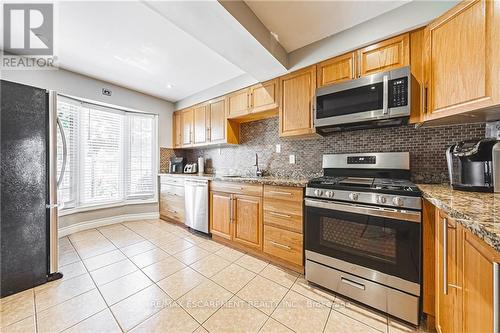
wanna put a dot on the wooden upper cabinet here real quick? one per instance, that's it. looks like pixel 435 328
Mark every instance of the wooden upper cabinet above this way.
pixel 462 59
pixel 187 127
pixel 297 100
pixel 238 103
pixel 177 130
pixel 217 120
pixel 264 96
pixel 247 220
pixel 200 123
pixel 383 56
pixel 221 214
pixel 338 69
pixel 478 279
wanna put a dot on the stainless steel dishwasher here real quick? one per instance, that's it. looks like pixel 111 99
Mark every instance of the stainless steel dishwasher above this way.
pixel 196 204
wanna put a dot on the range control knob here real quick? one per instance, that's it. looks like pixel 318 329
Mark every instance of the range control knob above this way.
pixel 318 192
pixel 397 201
pixel 353 196
pixel 329 194
pixel 382 199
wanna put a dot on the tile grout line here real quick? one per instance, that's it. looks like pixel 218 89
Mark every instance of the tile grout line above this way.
pixel 99 291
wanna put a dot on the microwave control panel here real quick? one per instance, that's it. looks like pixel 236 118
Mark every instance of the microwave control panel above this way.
pixel 398 92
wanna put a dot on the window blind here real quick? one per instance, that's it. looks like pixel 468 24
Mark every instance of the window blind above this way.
pixel 141 155
pixel 67 110
pixel 111 154
pixel 101 159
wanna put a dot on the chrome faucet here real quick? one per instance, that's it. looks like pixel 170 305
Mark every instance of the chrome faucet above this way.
pixel 258 172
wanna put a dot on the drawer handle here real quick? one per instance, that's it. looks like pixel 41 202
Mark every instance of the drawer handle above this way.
pixel 280 215
pixel 352 283
pixel 286 247
pixel 280 193
pixel 172 211
pixel 174 194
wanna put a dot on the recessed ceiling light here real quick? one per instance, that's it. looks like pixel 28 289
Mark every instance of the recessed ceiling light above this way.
pixel 169 86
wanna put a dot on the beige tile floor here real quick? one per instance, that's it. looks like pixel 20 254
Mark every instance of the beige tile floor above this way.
pixel 153 276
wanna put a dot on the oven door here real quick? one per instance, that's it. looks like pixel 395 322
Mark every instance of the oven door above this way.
pixel 374 239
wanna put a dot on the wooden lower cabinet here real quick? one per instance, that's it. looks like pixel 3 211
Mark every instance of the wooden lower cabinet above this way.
pixel 265 221
pixel 236 213
pixel 172 199
pixel 220 214
pixel 465 270
pixel 479 268
pixel 448 282
pixel 247 220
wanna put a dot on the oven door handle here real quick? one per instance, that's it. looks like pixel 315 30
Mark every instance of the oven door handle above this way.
pixel 404 215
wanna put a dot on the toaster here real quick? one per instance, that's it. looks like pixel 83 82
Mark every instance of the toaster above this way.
pixel 191 168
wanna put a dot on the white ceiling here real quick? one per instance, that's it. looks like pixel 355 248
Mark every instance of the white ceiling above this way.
pixel 299 23
pixel 129 44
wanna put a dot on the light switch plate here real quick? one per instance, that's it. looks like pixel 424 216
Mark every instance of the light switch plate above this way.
pixel 278 148
pixel 291 159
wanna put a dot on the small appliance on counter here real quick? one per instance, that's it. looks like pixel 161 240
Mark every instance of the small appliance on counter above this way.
pixel 474 165
pixel 177 165
pixel 201 165
pixel 191 168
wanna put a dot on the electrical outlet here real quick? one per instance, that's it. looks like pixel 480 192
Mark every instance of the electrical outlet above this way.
pixel 278 148
pixel 291 159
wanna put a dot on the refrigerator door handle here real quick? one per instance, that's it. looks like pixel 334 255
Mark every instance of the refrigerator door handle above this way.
pixel 65 152
pixel 52 202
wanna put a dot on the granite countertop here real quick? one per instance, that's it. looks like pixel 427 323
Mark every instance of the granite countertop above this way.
pixel 266 180
pixel 478 212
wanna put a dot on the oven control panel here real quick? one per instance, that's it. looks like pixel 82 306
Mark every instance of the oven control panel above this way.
pixel 398 92
pixel 382 199
pixel 361 160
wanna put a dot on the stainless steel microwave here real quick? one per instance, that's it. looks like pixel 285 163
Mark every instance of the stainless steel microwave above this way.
pixel 377 100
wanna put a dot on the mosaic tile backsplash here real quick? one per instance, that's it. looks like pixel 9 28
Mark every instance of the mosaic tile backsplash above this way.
pixel 426 145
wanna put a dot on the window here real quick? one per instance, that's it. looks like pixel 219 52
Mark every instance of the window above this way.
pixel 111 154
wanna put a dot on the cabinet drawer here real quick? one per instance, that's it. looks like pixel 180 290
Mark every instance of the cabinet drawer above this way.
pixel 283 244
pixel 172 190
pixel 172 206
pixel 283 193
pixel 172 180
pixel 285 207
pixel 283 220
pixel 237 188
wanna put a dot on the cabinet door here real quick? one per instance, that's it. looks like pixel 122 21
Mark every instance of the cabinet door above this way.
pixel 448 307
pixel 187 127
pixel 478 278
pixel 217 122
pixel 247 220
pixel 177 130
pixel 264 96
pixel 338 69
pixel 238 103
pixel 462 62
pixel 200 123
pixel 297 100
pixel 220 214
pixel 386 55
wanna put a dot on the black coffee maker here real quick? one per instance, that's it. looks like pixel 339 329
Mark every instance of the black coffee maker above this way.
pixel 177 165
pixel 474 165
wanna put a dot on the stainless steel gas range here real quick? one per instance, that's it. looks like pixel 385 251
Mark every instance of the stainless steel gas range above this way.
pixel 363 231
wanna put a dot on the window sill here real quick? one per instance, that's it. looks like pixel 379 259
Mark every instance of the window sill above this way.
pixel 70 211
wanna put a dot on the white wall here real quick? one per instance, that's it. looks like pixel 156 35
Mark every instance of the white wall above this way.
pixel 77 85
pixel 405 18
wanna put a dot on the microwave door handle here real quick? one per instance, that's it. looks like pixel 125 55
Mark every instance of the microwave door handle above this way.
pixel 385 98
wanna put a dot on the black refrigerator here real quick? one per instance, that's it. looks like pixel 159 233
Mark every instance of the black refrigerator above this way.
pixel 28 187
